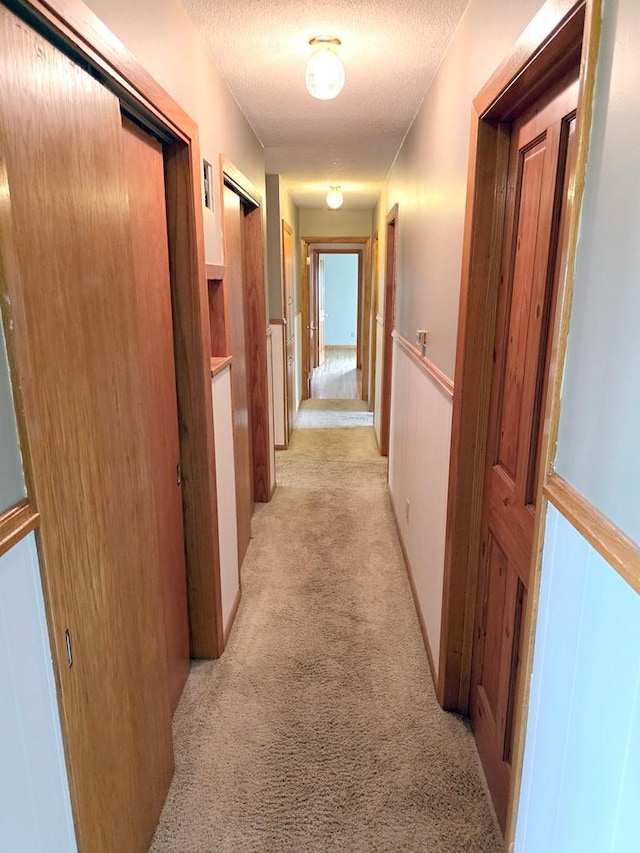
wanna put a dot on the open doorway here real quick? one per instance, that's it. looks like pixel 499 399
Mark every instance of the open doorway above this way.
pixel 337 375
pixel 336 314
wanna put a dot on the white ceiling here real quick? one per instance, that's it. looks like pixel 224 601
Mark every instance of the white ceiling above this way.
pixel 390 49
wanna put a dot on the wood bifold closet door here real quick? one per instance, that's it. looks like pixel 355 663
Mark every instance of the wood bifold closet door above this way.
pixel 150 255
pixel 242 447
pixel 540 163
pixel 92 342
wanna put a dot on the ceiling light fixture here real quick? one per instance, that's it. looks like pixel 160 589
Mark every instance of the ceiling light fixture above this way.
pixel 335 198
pixel 325 71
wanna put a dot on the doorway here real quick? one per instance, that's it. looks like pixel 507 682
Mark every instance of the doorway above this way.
pixel 343 370
pixel 510 350
pixel 389 323
pixel 337 376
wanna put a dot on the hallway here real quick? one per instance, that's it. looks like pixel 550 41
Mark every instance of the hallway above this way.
pixel 319 728
pixel 338 378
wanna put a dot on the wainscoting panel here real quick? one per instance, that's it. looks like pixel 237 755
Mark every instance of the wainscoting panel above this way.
pixel 377 407
pixel 272 449
pixel 278 350
pixel 226 489
pixel 298 356
pixel 420 436
pixel 581 776
pixel 35 809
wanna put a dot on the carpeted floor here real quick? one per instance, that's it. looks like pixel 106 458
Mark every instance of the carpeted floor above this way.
pixel 318 730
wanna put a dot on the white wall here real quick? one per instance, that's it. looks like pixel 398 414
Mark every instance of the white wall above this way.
pixel 322 222
pixel 226 491
pixel 600 427
pixel 35 809
pixel 162 37
pixel 12 486
pixel 418 473
pixel 340 299
pixel 278 355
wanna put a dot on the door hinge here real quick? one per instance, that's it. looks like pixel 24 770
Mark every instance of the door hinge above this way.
pixel 67 642
pixel 179 473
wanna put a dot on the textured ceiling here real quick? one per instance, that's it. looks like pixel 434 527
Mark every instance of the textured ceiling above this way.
pixel 390 49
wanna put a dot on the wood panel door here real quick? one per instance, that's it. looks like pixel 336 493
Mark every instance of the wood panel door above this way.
pixel 66 259
pixel 539 166
pixel 243 462
pixel 289 309
pixel 389 323
pixel 321 311
pixel 150 251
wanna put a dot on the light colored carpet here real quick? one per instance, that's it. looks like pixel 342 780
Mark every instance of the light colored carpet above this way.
pixel 333 414
pixel 318 730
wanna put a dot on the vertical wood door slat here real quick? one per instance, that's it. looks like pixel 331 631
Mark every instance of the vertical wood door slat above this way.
pixel 150 252
pixel 87 435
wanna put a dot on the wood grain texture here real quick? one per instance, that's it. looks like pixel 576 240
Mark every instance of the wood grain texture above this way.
pixel 87 436
pixel 488 162
pixel 215 272
pixel 305 261
pixel 88 38
pixel 548 48
pixel 239 392
pixel 257 374
pixel 622 553
pixel 389 325
pixel 218 317
pixel 16 523
pixel 150 253
pixel 219 363
pixel 590 46
pixel 288 310
pixel 192 344
pixel 425 364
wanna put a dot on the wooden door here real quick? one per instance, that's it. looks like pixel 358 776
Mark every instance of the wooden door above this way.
pixel 389 322
pixel 305 277
pixel 243 461
pixel 288 276
pixel 538 177
pixel 150 250
pixel 66 257
pixel 289 308
pixel 321 311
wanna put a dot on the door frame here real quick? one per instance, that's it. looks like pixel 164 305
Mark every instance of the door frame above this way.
pixel 311 249
pixel 255 308
pixel 391 234
pixel 561 32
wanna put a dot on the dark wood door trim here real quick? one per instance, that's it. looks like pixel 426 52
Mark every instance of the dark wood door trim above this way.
pixel 391 238
pixel 560 33
pixel 255 323
pixel 312 248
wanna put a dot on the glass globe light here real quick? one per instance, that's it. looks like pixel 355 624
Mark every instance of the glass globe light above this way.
pixel 335 198
pixel 325 72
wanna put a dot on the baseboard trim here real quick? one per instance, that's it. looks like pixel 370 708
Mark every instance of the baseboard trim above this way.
pixel 232 616
pixel 414 592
